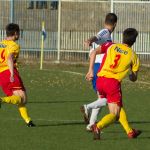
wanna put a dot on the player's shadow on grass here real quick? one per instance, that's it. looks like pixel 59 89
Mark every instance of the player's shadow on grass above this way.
pixel 137 122
pixel 61 124
pixel 60 101
pixel 75 123
pixel 82 123
pixel 124 138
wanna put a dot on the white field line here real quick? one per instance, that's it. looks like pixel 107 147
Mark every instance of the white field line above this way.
pixel 77 73
pixel 82 74
pixel 71 72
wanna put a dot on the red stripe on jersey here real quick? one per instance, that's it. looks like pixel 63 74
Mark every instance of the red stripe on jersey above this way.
pixel 104 49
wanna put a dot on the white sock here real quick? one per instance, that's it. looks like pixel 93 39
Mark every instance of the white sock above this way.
pixel 97 104
pixel 94 115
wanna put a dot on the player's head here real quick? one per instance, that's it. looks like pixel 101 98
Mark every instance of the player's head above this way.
pixel 111 20
pixel 12 30
pixel 129 36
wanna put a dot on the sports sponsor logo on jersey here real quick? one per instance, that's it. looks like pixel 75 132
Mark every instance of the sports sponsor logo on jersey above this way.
pixel 119 50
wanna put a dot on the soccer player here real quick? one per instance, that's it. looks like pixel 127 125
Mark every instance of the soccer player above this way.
pixel 117 61
pixel 102 37
pixel 10 80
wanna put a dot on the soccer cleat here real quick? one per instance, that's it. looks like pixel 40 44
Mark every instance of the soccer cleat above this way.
pixel 96 132
pixel 89 128
pixel 84 111
pixel 134 134
pixel 30 124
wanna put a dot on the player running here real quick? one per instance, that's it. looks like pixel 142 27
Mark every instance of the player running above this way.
pixel 117 61
pixel 10 80
pixel 91 111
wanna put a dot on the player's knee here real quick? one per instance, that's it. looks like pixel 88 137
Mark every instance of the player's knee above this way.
pixel 23 100
pixel 116 114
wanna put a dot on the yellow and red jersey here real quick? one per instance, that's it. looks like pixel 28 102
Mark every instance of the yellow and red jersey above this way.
pixel 118 60
pixel 8 47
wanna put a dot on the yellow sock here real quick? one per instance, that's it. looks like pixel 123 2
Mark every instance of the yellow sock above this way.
pixel 24 113
pixel 106 120
pixel 11 99
pixel 124 122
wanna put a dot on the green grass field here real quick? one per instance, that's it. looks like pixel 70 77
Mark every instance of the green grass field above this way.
pixel 55 95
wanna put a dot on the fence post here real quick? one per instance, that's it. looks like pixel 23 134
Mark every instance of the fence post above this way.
pixel 11 11
pixel 112 6
pixel 112 10
pixel 59 30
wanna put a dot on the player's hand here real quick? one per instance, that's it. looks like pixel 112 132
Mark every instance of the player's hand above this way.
pixel 89 76
pixel 11 78
pixel 132 77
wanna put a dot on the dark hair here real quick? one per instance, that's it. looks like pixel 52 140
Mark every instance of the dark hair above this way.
pixel 111 19
pixel 11 29
pixel 129 36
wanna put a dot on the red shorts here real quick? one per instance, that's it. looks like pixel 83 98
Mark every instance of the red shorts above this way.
pixel 7 86
pixel 111 89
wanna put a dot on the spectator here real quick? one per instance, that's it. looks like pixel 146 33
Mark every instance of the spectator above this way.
pixel 39 4
pixel 54 5
pixel 31 4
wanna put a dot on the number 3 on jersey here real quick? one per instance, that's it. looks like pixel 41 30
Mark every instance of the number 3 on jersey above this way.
pixel 117 58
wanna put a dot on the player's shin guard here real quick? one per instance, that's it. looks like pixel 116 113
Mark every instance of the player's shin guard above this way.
pixel 124 122
pixel 11 99
pixel 106 121
pixel 24 113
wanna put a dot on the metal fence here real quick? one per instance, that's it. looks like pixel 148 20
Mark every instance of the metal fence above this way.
pixel 69 22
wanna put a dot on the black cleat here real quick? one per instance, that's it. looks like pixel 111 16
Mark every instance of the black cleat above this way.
pixel 30 124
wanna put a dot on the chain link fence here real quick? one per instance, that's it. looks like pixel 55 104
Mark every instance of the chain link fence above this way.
pixel 69 22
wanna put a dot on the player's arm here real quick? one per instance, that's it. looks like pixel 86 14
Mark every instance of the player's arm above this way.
pixel 89 75
pixel 99 50
pixel 11 66
pixel 89 41
pixel 135 64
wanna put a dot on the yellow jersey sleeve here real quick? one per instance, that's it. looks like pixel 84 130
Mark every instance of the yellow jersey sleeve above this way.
pixel 6 48
pixel 13 49
pixel 135 63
